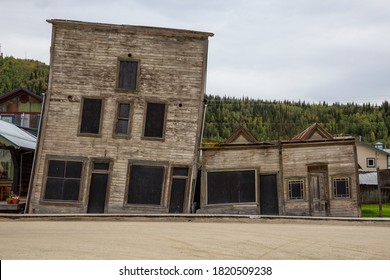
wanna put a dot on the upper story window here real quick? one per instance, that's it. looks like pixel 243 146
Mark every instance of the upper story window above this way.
pixel 371 162
pixel 122 122
pixel 91 113
pixel 154 124
pixel 128 74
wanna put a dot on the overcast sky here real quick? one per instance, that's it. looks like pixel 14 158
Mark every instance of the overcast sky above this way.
pixel 314 51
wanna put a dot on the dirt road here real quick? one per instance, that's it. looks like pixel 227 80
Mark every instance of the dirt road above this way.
pixel 110 239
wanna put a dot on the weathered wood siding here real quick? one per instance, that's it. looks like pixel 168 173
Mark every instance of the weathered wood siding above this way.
pixel 288 161
pixel 340 159
pixel 263 160
pixel 84 63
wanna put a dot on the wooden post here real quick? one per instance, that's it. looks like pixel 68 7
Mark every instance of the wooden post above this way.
pixel 380 182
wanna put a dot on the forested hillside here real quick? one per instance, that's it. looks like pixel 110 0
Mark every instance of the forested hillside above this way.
pixel 266 120
pixel 16 73
pixel 273 120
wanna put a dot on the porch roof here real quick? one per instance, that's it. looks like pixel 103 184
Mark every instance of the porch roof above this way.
pixel 13 136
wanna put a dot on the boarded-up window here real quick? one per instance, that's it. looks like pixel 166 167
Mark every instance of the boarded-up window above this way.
pixel 90 116
pixel 128 71
pixel 63 180
pixel 341 187
pixel 145 184
pixel 231 186
pixel 295 189
pixel 154 120
pixel 123 119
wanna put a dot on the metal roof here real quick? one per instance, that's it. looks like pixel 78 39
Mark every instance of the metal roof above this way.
pixel 368 178
pixel 13 136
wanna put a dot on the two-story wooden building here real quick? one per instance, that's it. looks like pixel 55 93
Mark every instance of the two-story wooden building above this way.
pixel 22 108
pixel 122 121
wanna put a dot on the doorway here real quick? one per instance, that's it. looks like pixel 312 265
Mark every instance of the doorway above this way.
pixel 318 194
pixel 98 187
pixel 269 195
pixel 179 184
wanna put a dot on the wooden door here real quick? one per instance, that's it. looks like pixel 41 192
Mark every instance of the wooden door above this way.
pixel 178 190
pixel 268 195
pixel 97 193
pixel 180 180
pixel 318 194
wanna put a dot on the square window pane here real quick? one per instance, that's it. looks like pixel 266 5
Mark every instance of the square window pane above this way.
pixel 56 169
pixel 53 188
pixel 122 127
pixel 123 110
pixel 73 169
pixel 71 189
pixel 146 184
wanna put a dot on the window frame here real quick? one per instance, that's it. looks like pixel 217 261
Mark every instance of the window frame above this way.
pixel 173 177
pixel 84 167
pixel 348 187
pixel 117 88
pixel 256 188
pixel 130 120
pixel 8 167
pixel 165 166
pixel 164 121
pixel 302 188
pixel 88 134
pixel 371 165
pixel 106 171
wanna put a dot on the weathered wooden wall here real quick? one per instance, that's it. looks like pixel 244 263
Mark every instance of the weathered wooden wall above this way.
pixel 84 61
pixel 264 160
pixel 290 160
pixel 339 159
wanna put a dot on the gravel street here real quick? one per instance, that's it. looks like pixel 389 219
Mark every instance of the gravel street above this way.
pixel 111 239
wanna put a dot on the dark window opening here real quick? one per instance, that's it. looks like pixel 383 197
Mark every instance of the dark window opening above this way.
pixel 63 180
pixel 145 184
pixel 101 166
pixel 155 120
pixel 90 117
pixel 341 187
pixel 123 119
pixel 371 162
pixel 295 189
pixel 231 186
pixel 128 71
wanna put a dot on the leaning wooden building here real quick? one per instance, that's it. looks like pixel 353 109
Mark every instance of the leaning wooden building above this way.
pixel 313 174
pixel 122 120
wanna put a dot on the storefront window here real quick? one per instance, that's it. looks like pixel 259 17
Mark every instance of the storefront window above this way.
pixel 5 165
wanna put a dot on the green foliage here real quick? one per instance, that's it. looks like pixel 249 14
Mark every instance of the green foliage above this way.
pixel 372 210
pixel 274 120
pixel 20 73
